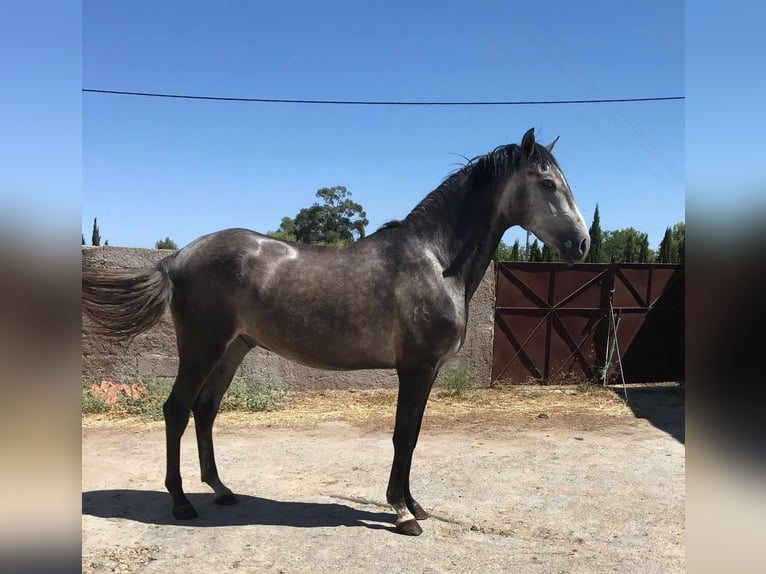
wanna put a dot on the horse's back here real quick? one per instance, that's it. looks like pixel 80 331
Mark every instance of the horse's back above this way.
pixel 357 306
pixel 322 306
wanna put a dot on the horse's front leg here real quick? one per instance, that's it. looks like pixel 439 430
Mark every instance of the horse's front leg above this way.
pixel 414 388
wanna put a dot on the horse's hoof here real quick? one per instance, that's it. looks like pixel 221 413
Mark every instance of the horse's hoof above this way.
pixel 226 499
pixel 184 512
pixel 409 528
pixel 417 511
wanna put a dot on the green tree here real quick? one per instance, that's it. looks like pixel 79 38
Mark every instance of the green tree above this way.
pixel 516 251
pixel 678 242
pixel 547 253
pixel 628 255
pixel 616 243
pixel 286 231
pixel 673 245
pixel 682 251
pixel 666 247
pixel 502 253
pixel 643 249
pixel 336 221
pixel 96 235
pixel 83 239
pixel 312 225
pixel 535 254
pixel 596 238
pixel 166 243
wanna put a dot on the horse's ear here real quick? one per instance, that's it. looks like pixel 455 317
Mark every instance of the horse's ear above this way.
pixel 549 147
pixel 528 143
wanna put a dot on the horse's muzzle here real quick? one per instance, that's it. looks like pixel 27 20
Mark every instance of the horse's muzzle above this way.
pixel 574 250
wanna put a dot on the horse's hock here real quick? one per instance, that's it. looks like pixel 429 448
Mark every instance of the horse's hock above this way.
pixel 153 354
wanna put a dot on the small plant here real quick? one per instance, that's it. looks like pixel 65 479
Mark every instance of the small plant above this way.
pixel 263 395
pixel 92 403
pixel 585 387
pixel 149 403
pixel 457 383
pixel 146 399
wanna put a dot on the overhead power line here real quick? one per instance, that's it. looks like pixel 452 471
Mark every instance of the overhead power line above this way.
pixel 383 102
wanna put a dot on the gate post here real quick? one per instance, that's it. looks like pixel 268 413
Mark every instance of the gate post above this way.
pixel 601 333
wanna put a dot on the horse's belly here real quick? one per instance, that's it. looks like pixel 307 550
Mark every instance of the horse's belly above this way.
pixel 332 358
pixel 341 349
pixel 332 362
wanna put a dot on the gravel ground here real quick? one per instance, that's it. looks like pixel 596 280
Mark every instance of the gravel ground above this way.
pixel 546 491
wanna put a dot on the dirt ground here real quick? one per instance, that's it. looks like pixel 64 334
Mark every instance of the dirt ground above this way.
pixel 517 480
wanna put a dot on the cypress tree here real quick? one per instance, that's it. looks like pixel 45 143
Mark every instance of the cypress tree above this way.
pixel 627 255
pixel 96 237
pixel 666 247
pixel 515 251
pixel 596 239
pixel 678 236
pixel 547 254
pixel 643 248
pixel 535 255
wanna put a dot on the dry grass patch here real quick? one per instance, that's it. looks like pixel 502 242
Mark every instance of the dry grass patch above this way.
pixel 498 404
pixel 376 408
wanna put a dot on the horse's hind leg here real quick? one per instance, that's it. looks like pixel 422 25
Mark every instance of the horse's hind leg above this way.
pixel 197 357
pixel 205 410
pixel 414 388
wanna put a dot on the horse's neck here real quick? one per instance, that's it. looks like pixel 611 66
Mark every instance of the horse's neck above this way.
pixel 481 251
pixel 469 241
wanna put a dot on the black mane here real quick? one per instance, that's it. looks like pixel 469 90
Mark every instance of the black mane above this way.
pixel 452 194
pixel 390 224
pixel 479 173
pixel 465 199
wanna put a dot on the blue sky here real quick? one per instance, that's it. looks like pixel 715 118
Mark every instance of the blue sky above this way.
pixel 40 152
pixel 152 168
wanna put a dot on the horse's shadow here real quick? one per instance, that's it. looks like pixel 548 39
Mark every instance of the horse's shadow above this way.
pixel 152 507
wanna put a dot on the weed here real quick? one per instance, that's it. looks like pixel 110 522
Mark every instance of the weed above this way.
pixel 263 395
pixel 149 403
pixel 92 404
pixel 586 387
pixel 146 399
pixel 457 382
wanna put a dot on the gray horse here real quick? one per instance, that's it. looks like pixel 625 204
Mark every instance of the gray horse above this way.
pixel 397 299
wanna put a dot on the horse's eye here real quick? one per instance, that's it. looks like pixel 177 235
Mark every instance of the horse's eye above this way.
pixel 549 184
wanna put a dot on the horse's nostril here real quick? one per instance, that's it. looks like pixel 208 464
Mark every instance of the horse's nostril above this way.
pixel 583 246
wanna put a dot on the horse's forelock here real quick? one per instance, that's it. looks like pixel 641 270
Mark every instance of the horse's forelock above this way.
pixel 544 158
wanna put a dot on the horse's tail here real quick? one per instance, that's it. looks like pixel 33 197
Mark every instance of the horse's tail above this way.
pixel 121 304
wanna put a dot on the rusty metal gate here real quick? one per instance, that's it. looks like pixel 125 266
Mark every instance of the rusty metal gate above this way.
pixel 552 322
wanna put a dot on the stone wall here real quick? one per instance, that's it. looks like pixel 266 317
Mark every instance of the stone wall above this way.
pixel 153 354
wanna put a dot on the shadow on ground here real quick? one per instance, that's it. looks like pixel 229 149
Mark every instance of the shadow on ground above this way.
pixel 663 406
pixel 152 507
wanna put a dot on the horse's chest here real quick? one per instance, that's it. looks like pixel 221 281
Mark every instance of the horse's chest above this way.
pixel 440 319
pixel 427 316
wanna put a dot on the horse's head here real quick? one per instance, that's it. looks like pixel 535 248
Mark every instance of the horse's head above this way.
pixel 543 203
